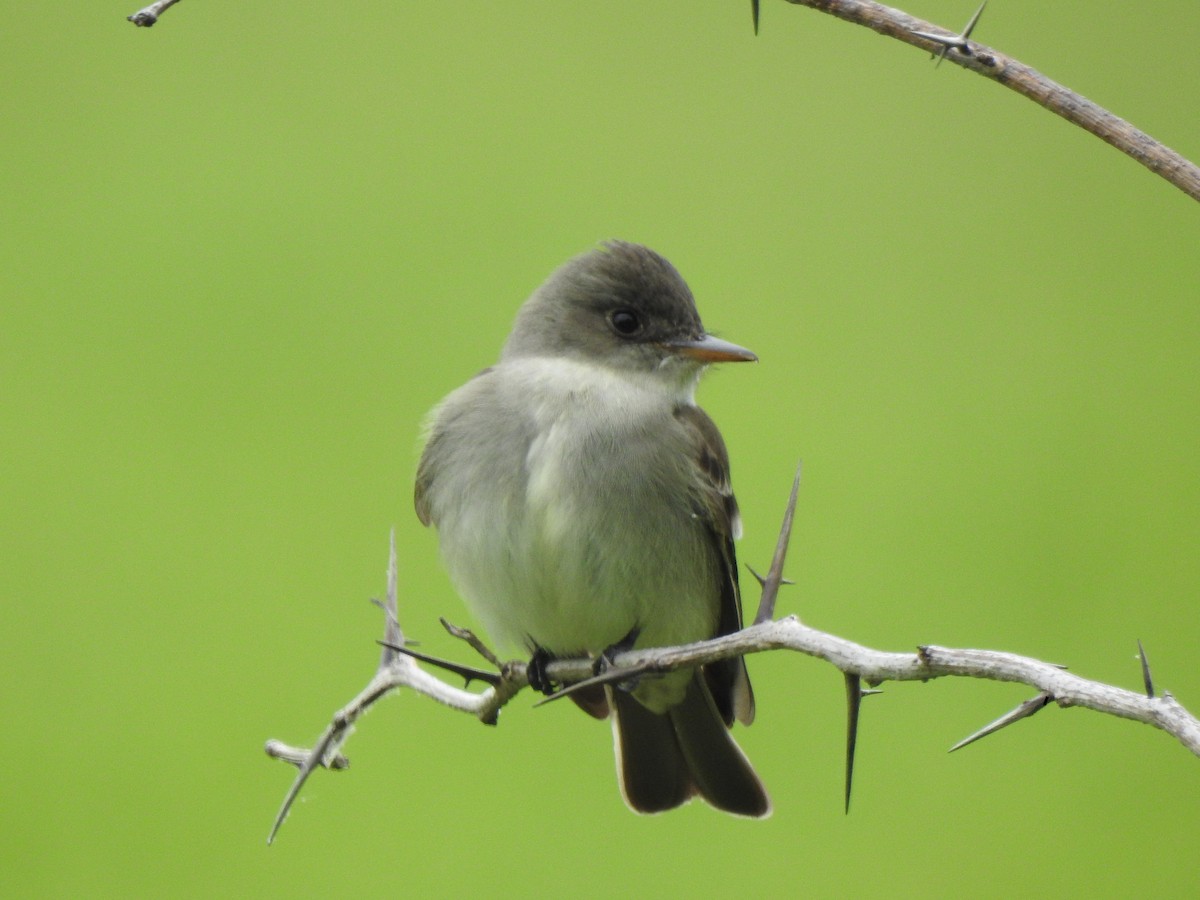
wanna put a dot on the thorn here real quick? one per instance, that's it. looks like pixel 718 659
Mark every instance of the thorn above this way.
pixel 392 634
pixel 869 692
pixel 854 695
pixel 974 21
pixel 766 603
pixel 959 42
pixel 469 673
pixel 761 579
pixel 610 676
pixel 754 14
pixel 1146 679
pixel 1026 709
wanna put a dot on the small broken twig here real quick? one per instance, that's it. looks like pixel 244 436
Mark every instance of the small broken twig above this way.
pixel 146 17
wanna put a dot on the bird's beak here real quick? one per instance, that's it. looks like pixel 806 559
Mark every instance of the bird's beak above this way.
pixel 710 349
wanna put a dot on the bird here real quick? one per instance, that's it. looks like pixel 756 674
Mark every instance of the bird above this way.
pixel 582 504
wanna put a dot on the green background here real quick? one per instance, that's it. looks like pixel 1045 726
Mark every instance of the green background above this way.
pixel 245 251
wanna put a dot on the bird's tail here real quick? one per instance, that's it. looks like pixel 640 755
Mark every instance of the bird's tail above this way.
pixel 665 759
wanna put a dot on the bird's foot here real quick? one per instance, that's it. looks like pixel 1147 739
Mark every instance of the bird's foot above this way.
pixel 604 662
pixel 535 671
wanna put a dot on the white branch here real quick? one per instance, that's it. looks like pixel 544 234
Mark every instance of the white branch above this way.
pixel 397 670
pixel 928 662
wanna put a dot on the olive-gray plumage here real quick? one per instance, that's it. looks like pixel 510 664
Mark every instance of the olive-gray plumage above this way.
pixel 582 501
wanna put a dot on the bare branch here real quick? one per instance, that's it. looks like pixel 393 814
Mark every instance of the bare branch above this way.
pixel 1021 78
pixel 872 666
pixel 398 669
pixel 146 17
pixel 878 666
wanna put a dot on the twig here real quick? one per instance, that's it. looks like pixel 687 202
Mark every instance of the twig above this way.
pixel 144 18
pixel 396 670
pixel 1023 79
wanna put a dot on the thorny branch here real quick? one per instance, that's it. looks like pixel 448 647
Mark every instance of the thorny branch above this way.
pixel 398 669
pixel 1015 75
pixel 981 60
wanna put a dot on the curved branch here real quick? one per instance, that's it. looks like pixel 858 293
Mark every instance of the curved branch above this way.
pixel 877 666
pixel 1017 76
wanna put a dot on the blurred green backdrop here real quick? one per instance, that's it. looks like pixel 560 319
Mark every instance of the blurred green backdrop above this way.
pixel 244 253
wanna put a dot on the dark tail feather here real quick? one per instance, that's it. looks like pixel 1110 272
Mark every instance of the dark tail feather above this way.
pixel 664 760
pixel 650 767
pixel 718 767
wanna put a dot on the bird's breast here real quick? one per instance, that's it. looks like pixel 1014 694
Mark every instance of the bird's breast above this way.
pixel 581 528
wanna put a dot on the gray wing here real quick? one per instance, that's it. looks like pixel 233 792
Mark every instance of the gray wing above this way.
pixel 439 421
pixel 715 503
pixel 426 470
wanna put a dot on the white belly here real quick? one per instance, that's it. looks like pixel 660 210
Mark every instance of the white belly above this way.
pixel 575 531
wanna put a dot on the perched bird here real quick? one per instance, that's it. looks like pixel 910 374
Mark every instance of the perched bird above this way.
pixel 582 504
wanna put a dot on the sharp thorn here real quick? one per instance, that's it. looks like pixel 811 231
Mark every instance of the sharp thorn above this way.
pixel 854 695
pixel 770 591
pixel 1024 710
pixel 611 676
pixel 1147 680
pixel 974 21
pixel 946 40
pixel 959 42
pixel 470 673
pixel 762 579
pixel 392 632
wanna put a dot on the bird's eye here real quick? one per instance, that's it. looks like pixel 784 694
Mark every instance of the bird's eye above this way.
pixel 625 322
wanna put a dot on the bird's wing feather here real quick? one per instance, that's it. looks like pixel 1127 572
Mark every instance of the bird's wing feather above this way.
pixel 716 505
pixel 431 456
